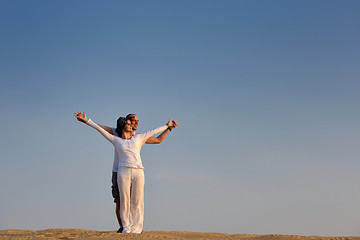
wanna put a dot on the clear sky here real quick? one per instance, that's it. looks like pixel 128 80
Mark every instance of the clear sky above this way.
pixel 266 92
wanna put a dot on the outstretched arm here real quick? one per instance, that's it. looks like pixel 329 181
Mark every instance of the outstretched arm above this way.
pixel 148 134
pixel 106 128
pixel 82 118
pixel 163 135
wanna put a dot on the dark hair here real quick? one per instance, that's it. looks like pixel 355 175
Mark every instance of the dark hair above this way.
pixel 120 123
pixel 130 116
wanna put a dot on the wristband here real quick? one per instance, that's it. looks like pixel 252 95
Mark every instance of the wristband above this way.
pixel 169 128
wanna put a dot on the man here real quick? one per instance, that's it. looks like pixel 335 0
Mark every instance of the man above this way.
pixel 152 140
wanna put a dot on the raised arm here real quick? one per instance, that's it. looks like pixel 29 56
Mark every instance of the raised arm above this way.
pixel 148 134
pixel 163 135
pixel 106 128
pixel 82 118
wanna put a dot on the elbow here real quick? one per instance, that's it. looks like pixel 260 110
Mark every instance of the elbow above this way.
pixel 158 140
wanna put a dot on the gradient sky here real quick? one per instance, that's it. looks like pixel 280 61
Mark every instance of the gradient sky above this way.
pixel 266 92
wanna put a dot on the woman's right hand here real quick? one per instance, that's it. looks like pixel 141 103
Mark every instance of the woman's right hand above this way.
pixel 81 117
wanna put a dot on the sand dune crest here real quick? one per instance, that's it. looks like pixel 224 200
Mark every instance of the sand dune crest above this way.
pixel 70 234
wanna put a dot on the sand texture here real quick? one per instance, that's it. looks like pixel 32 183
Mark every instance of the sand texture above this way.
pixel 67 234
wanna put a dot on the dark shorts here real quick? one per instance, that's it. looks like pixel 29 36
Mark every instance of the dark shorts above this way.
pixel 115 188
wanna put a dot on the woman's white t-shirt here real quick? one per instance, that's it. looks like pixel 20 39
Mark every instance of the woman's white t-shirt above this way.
pixel 127 151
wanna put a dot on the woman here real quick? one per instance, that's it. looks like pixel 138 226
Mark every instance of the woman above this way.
pixel 130 170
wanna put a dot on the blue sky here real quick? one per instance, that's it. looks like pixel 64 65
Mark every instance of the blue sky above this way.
pixel 266 93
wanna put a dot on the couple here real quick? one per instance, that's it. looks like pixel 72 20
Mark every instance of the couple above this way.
pixel 128 173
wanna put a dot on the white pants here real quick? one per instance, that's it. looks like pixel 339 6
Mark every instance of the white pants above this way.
pixel 131 183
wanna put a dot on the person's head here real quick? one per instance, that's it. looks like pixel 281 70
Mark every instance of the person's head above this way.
pixel 122 124
pixel 127 126
pixel 134 120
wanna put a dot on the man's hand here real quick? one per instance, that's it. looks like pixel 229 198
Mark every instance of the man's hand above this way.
pixel 172 124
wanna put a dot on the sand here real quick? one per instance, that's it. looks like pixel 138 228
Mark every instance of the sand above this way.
pixel 67 234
